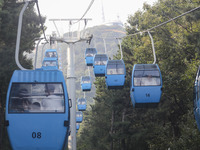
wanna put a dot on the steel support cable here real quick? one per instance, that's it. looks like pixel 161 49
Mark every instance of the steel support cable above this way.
pixel 164 22
pixel 36 1
pixel 91 3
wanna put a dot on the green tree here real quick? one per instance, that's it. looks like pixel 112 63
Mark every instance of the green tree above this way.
pixel 172 124
pixel 9 13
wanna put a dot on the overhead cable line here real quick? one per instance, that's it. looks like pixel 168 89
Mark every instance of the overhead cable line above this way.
pixel 164 22
pixel 36 1
pixel 85 12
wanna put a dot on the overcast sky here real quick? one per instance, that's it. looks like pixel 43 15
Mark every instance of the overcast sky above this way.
pixel 76 8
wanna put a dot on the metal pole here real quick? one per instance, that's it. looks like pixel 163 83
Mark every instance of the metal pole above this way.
pixel 72 96
pixel 71 83
pixel 56 28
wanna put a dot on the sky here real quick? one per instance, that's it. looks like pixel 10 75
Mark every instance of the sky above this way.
pixel 65 9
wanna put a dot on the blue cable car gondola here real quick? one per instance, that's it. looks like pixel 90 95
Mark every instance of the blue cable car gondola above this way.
pixel 115 74
pixel 86 83
pixel 37 110
pixel 196 108
pixel 77 126
pixel 89 56
pixel 81 103
pixel 99 65
pixel 79 116
pixel 146 88
pixel 50 64
pixel 51 53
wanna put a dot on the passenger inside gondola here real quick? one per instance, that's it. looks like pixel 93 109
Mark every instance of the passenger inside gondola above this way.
pixel 115 69
pixel 147 78
pixel 35 98
pixel 54 101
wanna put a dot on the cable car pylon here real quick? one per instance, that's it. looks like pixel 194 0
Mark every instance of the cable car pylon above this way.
pixel 71 78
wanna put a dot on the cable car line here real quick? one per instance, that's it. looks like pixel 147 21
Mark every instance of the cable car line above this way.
pixel 192 10
pixel 42 26
pixel 85 13
pixel 141 32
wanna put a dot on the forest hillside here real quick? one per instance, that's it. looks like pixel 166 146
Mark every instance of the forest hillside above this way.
pixel 113 123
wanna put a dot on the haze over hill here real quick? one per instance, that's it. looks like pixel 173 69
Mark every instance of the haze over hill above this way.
pixel 109 33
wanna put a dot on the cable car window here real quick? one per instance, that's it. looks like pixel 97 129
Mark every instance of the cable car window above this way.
pixel 36 98
pixel 51 54
pixel 85 79
pixel 97 61
pixel 90 52
pixel 115 69
pixel 81 102
pixel 120 68
pixel 103 60
pixel 79 114
pixel 49 63
pixel 147 78
pixel 100 60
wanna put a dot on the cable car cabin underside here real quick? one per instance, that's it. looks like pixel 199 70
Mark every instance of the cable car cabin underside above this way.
pixel 146 97
pixel 146 88
pixel 86 87
pixel 115 81
pixel 99 71
pixel 37 110
pixel 89 61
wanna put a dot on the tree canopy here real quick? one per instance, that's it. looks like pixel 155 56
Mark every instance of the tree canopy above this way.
pixel 9 14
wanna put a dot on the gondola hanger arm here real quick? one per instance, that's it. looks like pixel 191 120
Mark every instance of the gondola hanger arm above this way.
pixel 152 43
pixel 120 46
pixel 19 36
